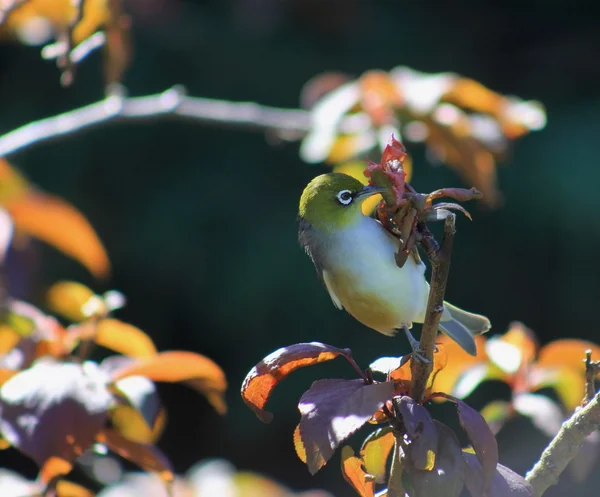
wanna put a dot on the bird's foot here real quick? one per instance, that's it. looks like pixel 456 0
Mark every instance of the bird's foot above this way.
pixel 415 345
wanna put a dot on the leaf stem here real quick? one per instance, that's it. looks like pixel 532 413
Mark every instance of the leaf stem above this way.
pixel 440 262
pixel 564 446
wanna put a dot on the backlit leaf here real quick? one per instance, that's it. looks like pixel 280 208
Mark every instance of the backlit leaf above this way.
pixel 567 353
pixel 516 348
pixel 355 475
pixel 496 413
pixel 54 467
pixel 375 452
pixel 6 374
pixel 332 410
pixel 543 412
pixel 69 489
pixel 124 338
pixel 61 225
pixel 503 483
pixel 274 368
pixel 54 410
pixel 569 383
pixel 195 370
pixel 8 338
pixel 421 432
pixel 72 300
pixel 146 456
pixel 447 477
pixel 6 233
pixel 299 446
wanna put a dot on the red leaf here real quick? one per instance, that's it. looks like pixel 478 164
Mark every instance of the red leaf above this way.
pixel 355 475
pixel 421 431
pixel 503 483
pixel 332 410
pixel 274 368
pixel 195 370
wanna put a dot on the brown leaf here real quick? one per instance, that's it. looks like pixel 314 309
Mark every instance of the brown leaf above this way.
pixel 355 475
pixel 375 452
pixel 58 223
pixel 195 370
pixel 421 431
pixel 503 483
pixel 447 477
pixel 146 456
pixel 74 301
pixel 274 368
pixel 54 409
pixel 332 410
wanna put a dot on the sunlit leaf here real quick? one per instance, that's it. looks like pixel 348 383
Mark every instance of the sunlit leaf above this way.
pixel 496 413
pixel 543 412
pixel 332 410
pixel 69 489
pixel 146 456
pixel 54 467
pixel 375 452
pixel 194 370
pixel 299 446
pixel 6 374
pixel 74 301
pixel 8 338
pixel 567 353
pixel 355 475
pixel 447 477
pixel 516 348
pixel 54 409
pixel 124 338
pixel 61 225
pixel 421 431
pixel 503 483
pixel 274 368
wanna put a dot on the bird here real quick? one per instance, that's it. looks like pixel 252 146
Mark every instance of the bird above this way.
pixel 354 256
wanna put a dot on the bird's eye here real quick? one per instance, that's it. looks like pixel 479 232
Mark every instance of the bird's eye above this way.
pixel 344 197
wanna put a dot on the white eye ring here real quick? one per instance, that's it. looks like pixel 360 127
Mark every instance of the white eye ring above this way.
pixel 344 197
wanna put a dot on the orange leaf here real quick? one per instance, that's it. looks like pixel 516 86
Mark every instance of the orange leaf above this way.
pixel 58 223
pixel 6 374
pixel 124 338
pixel 8 338
pixel 568 352
pixel 53 467
pixel 146 456
pixel 195 370
pixel 354 473
pixel 380 96
pixel 72 301
pixel 299 446
pixel 69 489
pixel 13 185
pixel 263 377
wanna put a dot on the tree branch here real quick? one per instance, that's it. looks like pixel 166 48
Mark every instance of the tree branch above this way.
pixel 564 447
pixel 421 370
pixel 173 103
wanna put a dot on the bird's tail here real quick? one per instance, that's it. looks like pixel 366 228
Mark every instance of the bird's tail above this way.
pixel 461 326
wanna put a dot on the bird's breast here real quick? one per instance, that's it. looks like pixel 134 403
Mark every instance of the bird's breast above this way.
pixel 362 272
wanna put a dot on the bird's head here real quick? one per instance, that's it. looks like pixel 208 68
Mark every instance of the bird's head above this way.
pixel 333 201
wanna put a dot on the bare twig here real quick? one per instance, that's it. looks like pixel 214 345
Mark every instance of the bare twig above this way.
pixel 564 446
pixel 173 103
pixel 591 370
pixel 421 370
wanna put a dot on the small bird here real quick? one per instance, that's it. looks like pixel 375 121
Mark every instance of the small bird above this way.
pixel 355 259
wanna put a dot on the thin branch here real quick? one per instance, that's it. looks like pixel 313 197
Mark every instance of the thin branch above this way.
pixel 421 370
pixel 591 370
pixel 173 103
pixel 564 447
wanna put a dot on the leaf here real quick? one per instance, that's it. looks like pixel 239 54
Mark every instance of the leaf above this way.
pixel 146 456
pixel 480 435
pixel 447 477
pixel 54 410
pixel 274 368
pixel 355 475
pixel 387 365
pixel 332 410
pixel 375 452
pixel 421 431
pixel 61 225
pixel 9 338
pixel 69 489
pixel 496 413
pixel 124 338
pixel 504 482
pixel 567 353
pixel 195 370
pixel 516 348
pixel 54 467
pixel 74 301
pixel 6 374
pixel 299 446
pixel 6 233
pixel 568 383
pixel 543 412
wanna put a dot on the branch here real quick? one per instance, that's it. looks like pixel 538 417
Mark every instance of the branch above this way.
pixel 421 370
pixel 173 103
pixel 564 447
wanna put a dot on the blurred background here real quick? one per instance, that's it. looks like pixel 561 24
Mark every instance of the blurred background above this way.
pixel 200 222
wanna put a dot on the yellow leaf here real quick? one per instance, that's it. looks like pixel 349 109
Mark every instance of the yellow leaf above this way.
pixel 13 184
pixel 299 446
pixel 69 489
pixel 131 424
pixel 54 467
pixel 61 225
pixel 124 338
pixel 71 300
pixel 354 473
pixel 8 338
pixel 376 450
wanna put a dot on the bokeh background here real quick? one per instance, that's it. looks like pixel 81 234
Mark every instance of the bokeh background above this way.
pixel 200 222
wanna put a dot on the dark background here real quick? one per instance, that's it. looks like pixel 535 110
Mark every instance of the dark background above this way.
pixel 227 279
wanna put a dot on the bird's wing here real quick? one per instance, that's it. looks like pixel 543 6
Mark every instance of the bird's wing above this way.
pixel 312 249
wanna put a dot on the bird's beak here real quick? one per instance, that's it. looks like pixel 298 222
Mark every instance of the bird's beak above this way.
pixel 368 191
